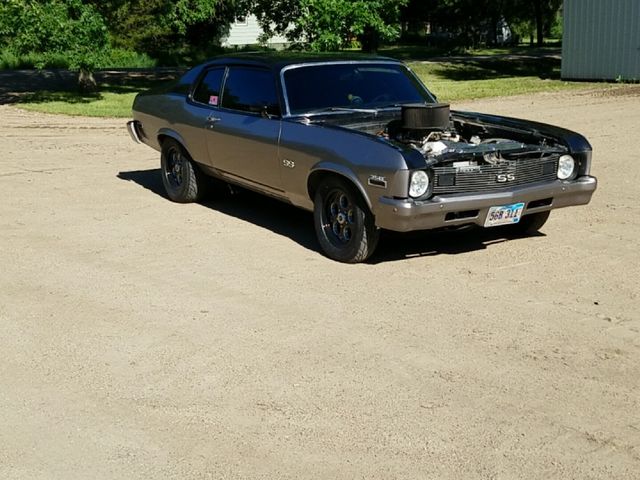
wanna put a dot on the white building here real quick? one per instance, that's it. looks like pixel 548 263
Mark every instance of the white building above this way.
pixel 246 31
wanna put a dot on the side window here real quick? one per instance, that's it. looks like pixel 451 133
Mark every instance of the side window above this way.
pixel 208 91
pixel 250 90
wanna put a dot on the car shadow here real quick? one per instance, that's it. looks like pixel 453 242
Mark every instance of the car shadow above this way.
pixel 276 216
pixel 297 225
pixel 396 246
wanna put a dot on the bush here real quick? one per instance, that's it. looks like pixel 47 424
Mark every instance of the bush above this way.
pixel 114 58
pixel 121 58
pixel 10 60
pixel 64 31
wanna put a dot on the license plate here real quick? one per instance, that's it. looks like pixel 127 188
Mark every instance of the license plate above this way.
pixel 504 215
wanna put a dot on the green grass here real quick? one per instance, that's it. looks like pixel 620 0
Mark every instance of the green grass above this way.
pixel 104 104
pixel 459 82
pixel 421 52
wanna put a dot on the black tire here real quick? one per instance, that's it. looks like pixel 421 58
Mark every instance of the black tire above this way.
pixel 532 223
pixel 344 224
pixel 182 179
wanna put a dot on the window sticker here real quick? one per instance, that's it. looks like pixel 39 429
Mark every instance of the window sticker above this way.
pixel 213 100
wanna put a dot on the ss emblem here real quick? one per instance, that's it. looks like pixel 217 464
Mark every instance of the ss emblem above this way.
pixel 505 177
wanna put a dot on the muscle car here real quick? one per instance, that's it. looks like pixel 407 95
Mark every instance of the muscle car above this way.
pixel 362 143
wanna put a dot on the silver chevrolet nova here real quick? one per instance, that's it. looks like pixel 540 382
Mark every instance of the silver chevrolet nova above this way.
pixel 362 143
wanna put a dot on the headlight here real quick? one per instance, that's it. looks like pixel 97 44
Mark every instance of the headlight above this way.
pixel 566 167
pixel 419 184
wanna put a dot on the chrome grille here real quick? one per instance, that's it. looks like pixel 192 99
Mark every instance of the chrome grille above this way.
pixel 484 178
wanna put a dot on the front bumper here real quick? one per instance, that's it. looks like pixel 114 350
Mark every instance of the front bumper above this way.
pixel 403 215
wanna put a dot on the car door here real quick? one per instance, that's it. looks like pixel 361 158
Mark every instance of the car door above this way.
pixel 243 130
pixel 203 103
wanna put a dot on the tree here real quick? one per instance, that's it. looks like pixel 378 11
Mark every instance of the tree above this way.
pixel 473 22
pixel 324 25
pixel 544 12
pixel 158 26
pixel 473 19
pixel 50 27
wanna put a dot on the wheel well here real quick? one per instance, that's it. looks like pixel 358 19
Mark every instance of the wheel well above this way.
pixel 162 138
pixel 317 177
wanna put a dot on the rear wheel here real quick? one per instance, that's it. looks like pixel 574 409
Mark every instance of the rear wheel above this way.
pixel 530 224
pixel 344 224
pixel 182 180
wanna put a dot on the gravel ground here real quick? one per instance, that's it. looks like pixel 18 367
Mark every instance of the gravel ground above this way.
pixel 141 339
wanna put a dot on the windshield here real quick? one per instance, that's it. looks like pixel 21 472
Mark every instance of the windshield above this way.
pixel 357 86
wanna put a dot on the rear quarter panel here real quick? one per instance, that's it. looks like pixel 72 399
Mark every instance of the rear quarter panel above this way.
pixel 168 114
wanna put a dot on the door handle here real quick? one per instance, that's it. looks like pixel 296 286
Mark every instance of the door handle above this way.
pixel 213 119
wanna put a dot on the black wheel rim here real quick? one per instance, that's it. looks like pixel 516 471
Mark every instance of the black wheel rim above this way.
pixel 340 217
pixel 175 163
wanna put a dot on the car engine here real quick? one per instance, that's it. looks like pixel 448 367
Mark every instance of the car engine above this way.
pixel 428 129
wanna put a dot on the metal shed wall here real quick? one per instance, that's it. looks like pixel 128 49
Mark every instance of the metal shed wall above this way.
pixel 601 39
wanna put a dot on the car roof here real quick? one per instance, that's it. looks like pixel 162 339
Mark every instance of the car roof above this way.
pixel 279 60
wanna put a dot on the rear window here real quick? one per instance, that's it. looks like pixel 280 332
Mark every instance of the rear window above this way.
pixel 361 85
pixel 208 91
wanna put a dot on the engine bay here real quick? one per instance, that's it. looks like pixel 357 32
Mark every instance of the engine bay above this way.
pixel 442 138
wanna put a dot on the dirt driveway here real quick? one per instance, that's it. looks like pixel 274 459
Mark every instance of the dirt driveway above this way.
pixel 141 339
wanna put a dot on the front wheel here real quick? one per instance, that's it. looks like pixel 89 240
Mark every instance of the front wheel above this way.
pixel 344 224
